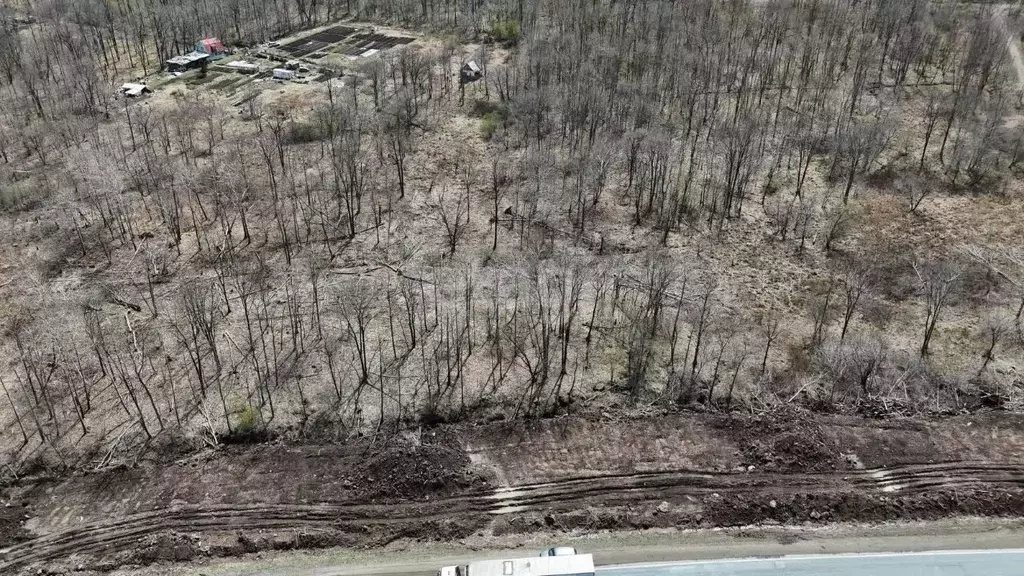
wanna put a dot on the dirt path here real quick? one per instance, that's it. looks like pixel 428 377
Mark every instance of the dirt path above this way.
pixel 474 509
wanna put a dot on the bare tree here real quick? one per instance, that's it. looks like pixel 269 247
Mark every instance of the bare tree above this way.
pixel 858 283
pixel 643 311
pixel 454 217
pixel 771 324
pixel 836 220
pixel 852 365
pixel 357 304
pixel 499 184
pixel 916 190
pixel 17 416
pixel 993 329
pixel 821 308
pixel 861 145
pixel 938 281
pixel 700 319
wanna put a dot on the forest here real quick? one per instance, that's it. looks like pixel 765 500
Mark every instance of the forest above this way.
pixel 714 205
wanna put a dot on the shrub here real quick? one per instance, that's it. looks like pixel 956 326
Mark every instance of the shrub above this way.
pixel 9 199
pixel 489 124
pixel 482 107
pixel 506 31
pixel 246 420
pixel 324 426
pixel 249 428
pixel 799 359
pixel 22 196
pixel 305 132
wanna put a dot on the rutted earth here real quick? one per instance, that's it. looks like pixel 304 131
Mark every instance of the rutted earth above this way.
pixel 563 474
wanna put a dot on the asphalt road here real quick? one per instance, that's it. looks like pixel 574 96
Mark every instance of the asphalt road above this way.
pixel 944 563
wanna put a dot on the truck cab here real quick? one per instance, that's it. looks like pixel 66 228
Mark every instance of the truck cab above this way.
pixel 559 551
pixel 559 561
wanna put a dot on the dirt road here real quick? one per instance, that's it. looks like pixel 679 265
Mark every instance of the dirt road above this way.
pixel 549 498
pixel 670 472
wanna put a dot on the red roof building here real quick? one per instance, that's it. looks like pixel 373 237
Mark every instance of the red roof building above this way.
pixel 211 46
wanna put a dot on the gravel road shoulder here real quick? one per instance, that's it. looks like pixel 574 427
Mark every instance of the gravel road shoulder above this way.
pixel 419 558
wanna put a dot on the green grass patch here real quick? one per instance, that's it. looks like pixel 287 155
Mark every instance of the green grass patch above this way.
pixel 506 31
pixel 491 121
pixel 246 420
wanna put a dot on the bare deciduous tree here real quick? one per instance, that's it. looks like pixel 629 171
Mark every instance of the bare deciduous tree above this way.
pixel 993 329
pixel 858 283
pixel 938 281
pixel 454 217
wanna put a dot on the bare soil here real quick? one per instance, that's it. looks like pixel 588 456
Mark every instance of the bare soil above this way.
pixel 793 443
pixel 12 518
pixel 657 471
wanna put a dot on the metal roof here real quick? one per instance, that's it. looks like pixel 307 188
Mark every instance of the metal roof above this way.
pixel 133 89
pixel 189 58
pixel 210 46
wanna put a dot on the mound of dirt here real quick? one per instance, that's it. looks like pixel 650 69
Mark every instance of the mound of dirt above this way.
pixel 416 472
pixel 442 530
pixel 783 441
pixel 247 542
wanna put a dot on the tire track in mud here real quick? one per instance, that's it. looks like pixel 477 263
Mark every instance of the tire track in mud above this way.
pixel 656 485
pixel 106 537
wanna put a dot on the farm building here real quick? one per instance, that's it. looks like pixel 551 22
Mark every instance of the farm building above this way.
pixel 243 67
pixel 190 61
pixel 133 90
pixel 212 47
pixel 470 72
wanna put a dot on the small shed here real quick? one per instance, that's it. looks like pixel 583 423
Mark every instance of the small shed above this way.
pixel 212 47
pixel 243 67
pixel 283 74
pixel 190 61
pixel 132 90
pixel 470 72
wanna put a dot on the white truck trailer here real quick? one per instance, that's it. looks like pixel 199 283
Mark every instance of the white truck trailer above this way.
pixel 578 565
